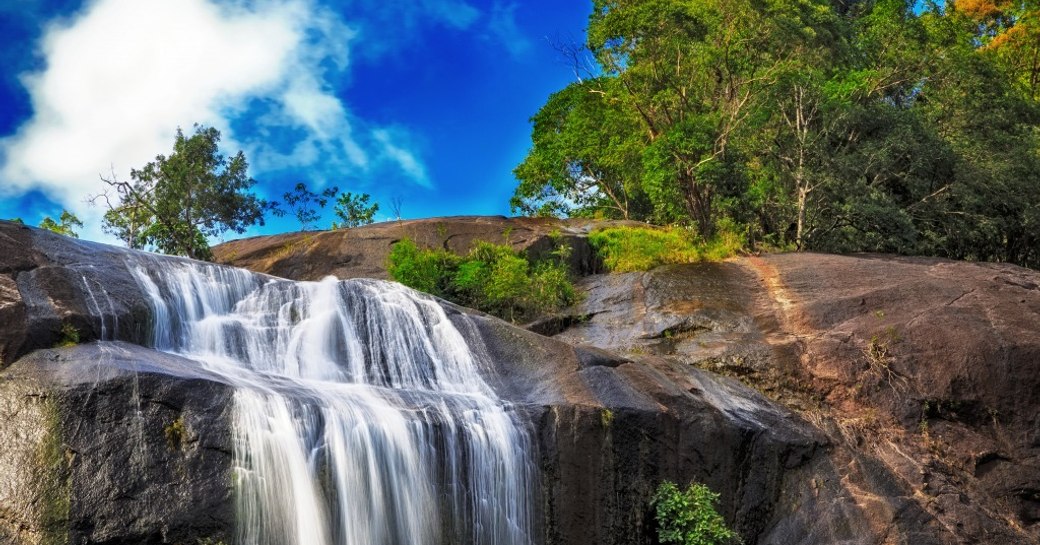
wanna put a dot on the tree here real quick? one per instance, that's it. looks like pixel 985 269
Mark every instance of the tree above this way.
pixel 125 219
pixel 988 116
pixel 691 72
pixel 354 210
pixel 679 84
pixel 1011 31
pixel 586 159
pixel 302 201
pixel 127 222
pixel 865 125
pixel 176 202
pixel 66 224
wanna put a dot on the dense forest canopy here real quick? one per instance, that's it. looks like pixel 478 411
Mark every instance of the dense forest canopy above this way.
pixel 870 125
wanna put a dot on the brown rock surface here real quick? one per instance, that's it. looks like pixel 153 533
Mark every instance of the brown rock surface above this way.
pixel 946 353
pixel 362 251
pixel 924 373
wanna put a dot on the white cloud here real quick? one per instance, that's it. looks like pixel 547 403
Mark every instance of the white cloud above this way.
pixel 400 156
pixel 122 75
pixel 503 26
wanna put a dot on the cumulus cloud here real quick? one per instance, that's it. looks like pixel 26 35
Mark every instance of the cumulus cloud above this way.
pixel 122 75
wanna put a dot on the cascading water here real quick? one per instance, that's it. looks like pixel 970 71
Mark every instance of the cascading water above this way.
pixel 361 414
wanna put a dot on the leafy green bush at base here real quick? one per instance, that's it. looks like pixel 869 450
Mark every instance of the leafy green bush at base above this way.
pixel 689 517
pixel 493 278
pixel 628 249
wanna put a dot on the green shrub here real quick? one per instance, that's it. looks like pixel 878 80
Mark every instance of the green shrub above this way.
pixel 508 284
pixel 493 278
pixel 727 242
pixel 689 517
pixel 69 336
pixel 430 271
pixel 551 286
pixel 628 249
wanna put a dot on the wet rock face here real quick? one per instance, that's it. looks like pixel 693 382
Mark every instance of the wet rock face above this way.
pixel 54 291
pixel 103 443
pixel 610 429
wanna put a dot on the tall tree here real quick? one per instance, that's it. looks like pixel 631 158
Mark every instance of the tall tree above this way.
pixel 804 121
pixel 679 82
pixel 187 197
pixel 1011 31
pixel 881 125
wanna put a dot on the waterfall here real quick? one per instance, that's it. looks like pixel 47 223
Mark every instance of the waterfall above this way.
pixel 361 416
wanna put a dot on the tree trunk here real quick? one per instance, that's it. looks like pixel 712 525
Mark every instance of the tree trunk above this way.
pixel 698 200
pixel 803 194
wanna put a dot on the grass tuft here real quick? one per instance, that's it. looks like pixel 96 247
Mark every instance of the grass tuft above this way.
pixel 630 249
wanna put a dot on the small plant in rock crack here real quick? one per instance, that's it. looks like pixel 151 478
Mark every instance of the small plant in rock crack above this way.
pixel 877 352
pixel 879 357
pixel 175 433
pixel 606 417
pixel 69 336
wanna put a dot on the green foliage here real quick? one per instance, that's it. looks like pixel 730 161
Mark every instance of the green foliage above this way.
pixel 627 249
pixel 69 336
pixel 128 221
pixel 430 271
pixel 606 417
pixel 655 134
pixel 177 202
pixel 66 225
pixel 493 278
pixel 689 517
pixel 881 125
pixel 175 433
pixel 305 204
pixel 585 160
pixel 354 210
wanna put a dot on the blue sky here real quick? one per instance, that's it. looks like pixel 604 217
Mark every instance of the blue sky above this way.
pixel 425 100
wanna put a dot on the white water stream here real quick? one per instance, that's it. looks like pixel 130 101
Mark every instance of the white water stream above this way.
pixel 361 414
